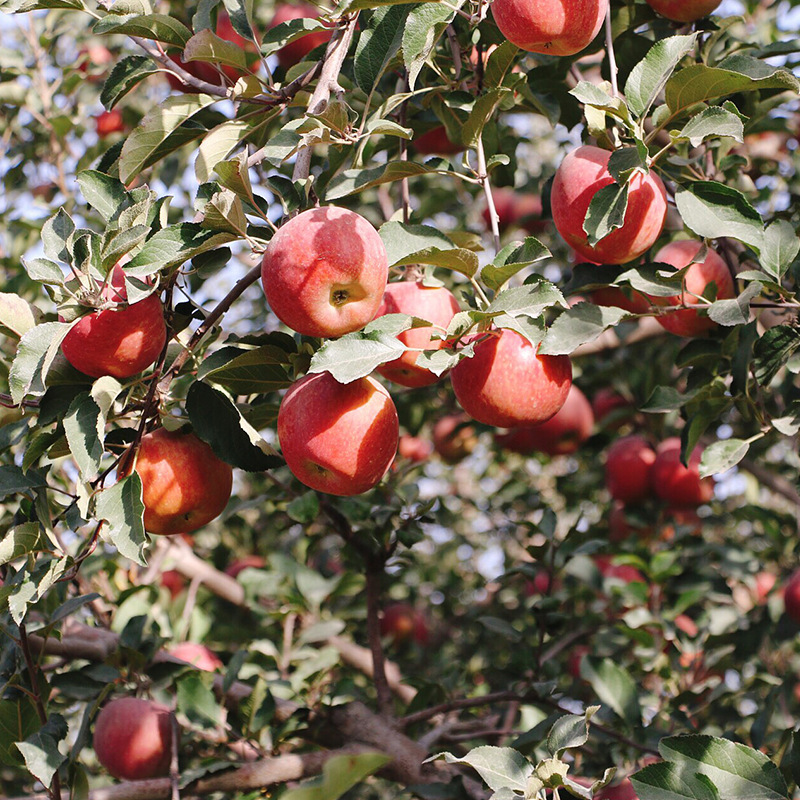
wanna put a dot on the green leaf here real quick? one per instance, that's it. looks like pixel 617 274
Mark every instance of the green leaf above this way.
pixel 483 110
pixel 23 6
pixel 528 301
pixel 126 75
pixel 378 44
pixel 511 259
pixel 14 481
pixel 711 123
pixel 666 781
pixel 582 323
pixel 780 249
pixel 17 316
pixel 421 244
pixel 773 350
pixel 614 686
pixel 44 271
pixel 356 355
pixel 423 27
pixel 18 721
pixel 247 371
pixel 56 232
pixel 83 426
pixel 735 311
pixel 157 27
pixel 283 33
pixel 196 700
pixel 606 212
pixel 217 421
pixel 352 181
pixel 339 775
pixel 571 730
pixel 207 46
pixel 216 146
pixel 122 508
pixel 35 354
pixel 19 541
pixel 105 194
pixel 721 456
pixel 41 750
pixel 304 509
pixel 500 767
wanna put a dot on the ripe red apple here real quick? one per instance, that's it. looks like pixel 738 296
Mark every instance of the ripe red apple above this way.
pixel 118 341
pixel 436 142
pixel 434 304
pixel 543 583
pixel 173 581
pixel 133 738
pixel 338 438
pixel 454 438
pixel 198 655
pixel 629 299
pixel 109 122
pixel 578 179
pixel 507 383
pixel 622 791
pixel 764 584
pixel 677 485
pixel 414 448
pixel 791 596
pixel 621 526
pixel 93 60
pixel 296 51
pixel 687 625
pixel 684 10
pixel 551 27
pixel 623 572
pixel 562 434
pixel 575 657
pixel 201 70
pixel 324 272
pixel 607 402
pixel 402 622
pixel 688 322
pixel 252 561
pixel 184 485
pixel 516 208
pixel 628 466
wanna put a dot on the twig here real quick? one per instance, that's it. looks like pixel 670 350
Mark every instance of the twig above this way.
pixel 483 177
pixel 612 58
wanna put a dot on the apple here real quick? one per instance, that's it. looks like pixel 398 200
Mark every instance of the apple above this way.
pixel 119 341
pixel 623 572
pixel 324 272
pixel 676 484
pixel 764 584
pixel 628 466
pixel 434 304
pixel 697 279
pixel 577 655
pixel 92 61
pixel 247 562
pixel 198 655
pixel 506 383
pixel 133 738
pixel 609 403
pixel 543 583
pixel 791 596
pixel 202 70
pixel 338 438
pixel 402 622
pixel 622 791
pixel 687 625
pixel 684 10
pixel 516 208
pixel 436 142
pixel 173 581
pixel 582 174
pixel 109 122
pixel 454 438
pixel 414 448
pixel 629 299
pixel 550 27
pixel 184 485
pixel 621 526
pixel 296 51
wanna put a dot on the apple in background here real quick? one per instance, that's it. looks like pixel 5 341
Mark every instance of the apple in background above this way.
pixel 676 484
pixel 688 322
pixel 296 51
pixel 623 572
pixel 507 383
pixel 198 655
pixel 622 791
pixel 117 341
pixel 684 10
pixel 687 625
pixel 608 402
pixel 628 466
pixel 454 438
pixel 575 657
pixel 414 448
pixel 764 584
pixel 621 526
pixel 562 434
pixel 133 738
pixel 629 299
pixel 582 174
pixel 402 622
pixel 252 561
pixel 201 70
pixel 93 59
pixel 555 29
pixel 436 142
pixel 516 208
pixel 324 272
pixel 543 583
pixel 109 122
pixel 184 485
pixel 434 304
pixel 173 581
pixel 791 596
pixel 338 438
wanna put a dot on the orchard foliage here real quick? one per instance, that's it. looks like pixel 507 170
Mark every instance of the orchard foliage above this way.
pixel 549 618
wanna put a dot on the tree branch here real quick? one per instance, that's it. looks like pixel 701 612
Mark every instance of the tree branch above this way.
pixel 382 689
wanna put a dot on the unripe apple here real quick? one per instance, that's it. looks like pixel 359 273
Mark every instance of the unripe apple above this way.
pixel 628 466
pixel 109 122
pixel 184 485
pixel 550 27
pixel 296 51
pixel 414 448
pixel 133 738
pixel 198 655
pixel 562 434
pixel 507 383
pixel 324 272
pixel 117 341
pixel 338 438
pixel 247 562
pixel 402 622
pixel 454 438
pixel 436 142
pixel 516 208
pixel 791 596
pixel 684 10
pixel 434 304
pixel 696 280
pixel 582 174
pixel 676 484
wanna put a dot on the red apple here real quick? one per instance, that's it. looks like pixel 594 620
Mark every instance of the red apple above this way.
pixel 185 485
pixel 575 657
pixel 93 61
pixel 621 526
pixel 607 402
pixel 338 438
pixel 687 625
pixel 434 304
pixel 764 584
pixel 791 596
pixel 516 208
pixel 414 448
pixel 622 791
pixel 543 583
pixel 628 466
pixel 296 51
pixel 684 10
pixel 561 435
pixel 676 484
pixel 324 272
pixel 109 122
pixel 454 438
pixel 252 561
pixel 133 738
pixel 198 655
pixel 403 622
pixel 119 341
pixel 173 581
pixel 201 70
pixel 436 142
pixel 507 383
pixel 623 572
pixel 688 322
pixel 578 179
pixel 550 27
pixel 629 299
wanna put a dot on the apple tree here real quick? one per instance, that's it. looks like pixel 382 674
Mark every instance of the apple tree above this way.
pixel 399 399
